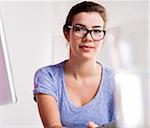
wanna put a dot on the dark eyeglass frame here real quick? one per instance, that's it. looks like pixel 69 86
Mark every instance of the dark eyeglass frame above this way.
pixel 88 31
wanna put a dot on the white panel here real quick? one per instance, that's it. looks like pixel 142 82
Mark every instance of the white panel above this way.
pixel 28 32
pixel 60 49
pixel 1 115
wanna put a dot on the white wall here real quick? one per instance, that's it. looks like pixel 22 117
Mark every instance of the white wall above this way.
pixel 35 39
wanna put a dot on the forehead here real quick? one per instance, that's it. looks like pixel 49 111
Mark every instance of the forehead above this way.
pixel 88 19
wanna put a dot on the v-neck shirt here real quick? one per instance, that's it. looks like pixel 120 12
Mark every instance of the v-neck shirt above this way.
pixel 50 80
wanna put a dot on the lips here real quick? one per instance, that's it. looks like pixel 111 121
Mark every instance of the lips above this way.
pixel 86 47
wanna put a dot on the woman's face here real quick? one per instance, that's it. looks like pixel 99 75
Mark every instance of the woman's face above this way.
pixel 85 47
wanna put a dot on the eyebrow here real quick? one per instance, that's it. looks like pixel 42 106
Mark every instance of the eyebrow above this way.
pixel 92 26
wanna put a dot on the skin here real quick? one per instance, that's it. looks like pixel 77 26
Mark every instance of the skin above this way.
pixel 81 72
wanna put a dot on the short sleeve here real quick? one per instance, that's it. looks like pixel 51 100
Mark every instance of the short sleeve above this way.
pixel 44 83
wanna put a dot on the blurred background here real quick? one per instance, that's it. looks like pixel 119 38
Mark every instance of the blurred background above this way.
pixel 35 38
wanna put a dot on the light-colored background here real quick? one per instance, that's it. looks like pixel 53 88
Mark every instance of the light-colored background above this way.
pixel 35 39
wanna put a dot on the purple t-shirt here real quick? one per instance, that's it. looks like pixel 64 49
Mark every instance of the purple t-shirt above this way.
pixel 50 80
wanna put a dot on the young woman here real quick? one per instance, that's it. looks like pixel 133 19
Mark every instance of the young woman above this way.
pixel 78 92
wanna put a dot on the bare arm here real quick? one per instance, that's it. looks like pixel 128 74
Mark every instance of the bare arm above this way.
pixel 48 110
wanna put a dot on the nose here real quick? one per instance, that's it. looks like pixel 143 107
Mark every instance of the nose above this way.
pixel 88 37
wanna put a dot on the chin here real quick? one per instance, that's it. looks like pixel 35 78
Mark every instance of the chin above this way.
pixel 87 57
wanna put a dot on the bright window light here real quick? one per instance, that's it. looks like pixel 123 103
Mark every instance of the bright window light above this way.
pixel 129 99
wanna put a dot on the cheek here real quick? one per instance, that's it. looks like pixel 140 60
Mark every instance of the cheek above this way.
pixel 74 41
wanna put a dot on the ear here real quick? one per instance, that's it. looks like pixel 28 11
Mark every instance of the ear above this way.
pixel 66 34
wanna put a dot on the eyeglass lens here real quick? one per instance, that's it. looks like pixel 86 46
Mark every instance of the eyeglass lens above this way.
pixel 96 34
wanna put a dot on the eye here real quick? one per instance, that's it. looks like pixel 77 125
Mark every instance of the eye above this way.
pixel 79 29
pixel 96 31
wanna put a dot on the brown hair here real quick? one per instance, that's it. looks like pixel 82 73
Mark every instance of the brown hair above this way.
pixel 85 6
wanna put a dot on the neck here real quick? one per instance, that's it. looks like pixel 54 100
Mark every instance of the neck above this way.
pixel 81 68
